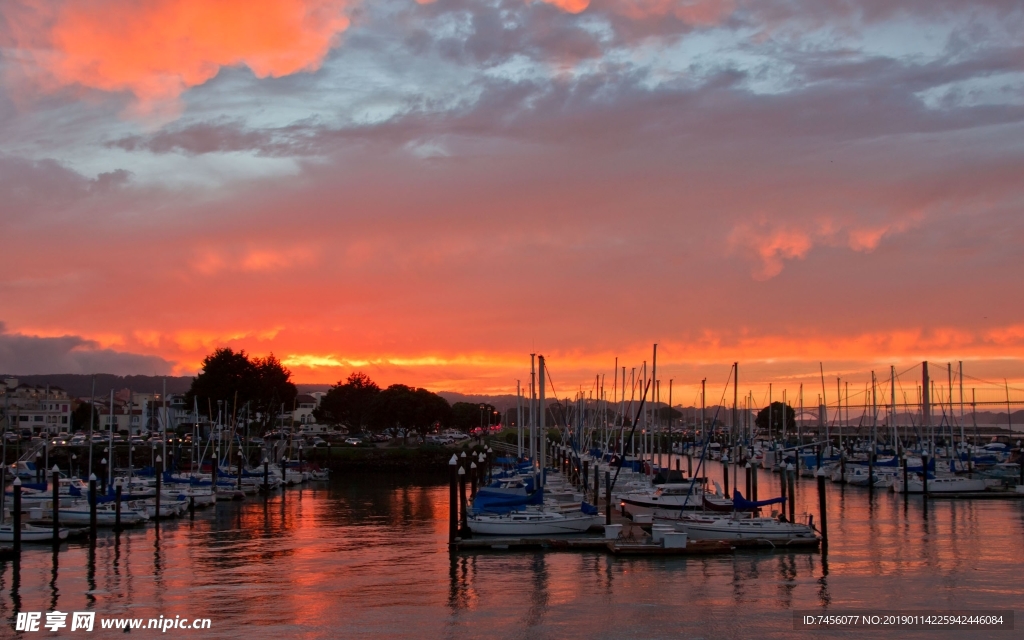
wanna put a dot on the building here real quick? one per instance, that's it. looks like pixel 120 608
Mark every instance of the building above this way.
pixel 36 410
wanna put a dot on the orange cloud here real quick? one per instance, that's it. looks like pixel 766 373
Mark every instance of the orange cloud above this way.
pixel 772 246
pixel 570 6
pixel 155 50
pixel 694 12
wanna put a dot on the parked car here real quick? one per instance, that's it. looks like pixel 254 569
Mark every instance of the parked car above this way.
pixel 355 442
pixel 78 440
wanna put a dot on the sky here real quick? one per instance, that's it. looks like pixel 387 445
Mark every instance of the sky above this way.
pixel 432 191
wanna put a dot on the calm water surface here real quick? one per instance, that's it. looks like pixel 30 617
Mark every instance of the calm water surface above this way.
pixel 368 556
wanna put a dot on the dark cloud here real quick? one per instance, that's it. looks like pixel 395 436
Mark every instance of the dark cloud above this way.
pixel 29 355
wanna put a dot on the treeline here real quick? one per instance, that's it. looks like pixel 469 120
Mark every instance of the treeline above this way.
pixel 359 403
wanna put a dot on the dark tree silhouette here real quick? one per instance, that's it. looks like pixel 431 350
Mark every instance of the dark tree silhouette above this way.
pixel 348 402
pixel 778 411
pixel 264 383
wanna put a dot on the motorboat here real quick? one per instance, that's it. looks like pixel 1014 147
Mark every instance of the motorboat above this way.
pixel 531 523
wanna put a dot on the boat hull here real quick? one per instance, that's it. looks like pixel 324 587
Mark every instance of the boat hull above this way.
pixel 510 526
pixel 752 529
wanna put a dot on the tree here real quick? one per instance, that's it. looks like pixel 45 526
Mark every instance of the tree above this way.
pixel 466 415
pixel 402 406
pixel 263 383
pixel 80 416
pixel 777 411
pixel 348 402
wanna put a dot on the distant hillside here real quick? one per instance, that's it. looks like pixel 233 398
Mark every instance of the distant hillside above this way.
pixel 80 386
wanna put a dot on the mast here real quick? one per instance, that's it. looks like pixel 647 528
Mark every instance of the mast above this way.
pixel 735 407
pixel 110 442
pixel 960 365
pixel 533 414
pixel 92 419
pixel 519 421
pixel 892 401
pixel 926 409
pixel 543 411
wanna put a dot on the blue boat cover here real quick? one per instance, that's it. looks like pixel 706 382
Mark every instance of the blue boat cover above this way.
pixel 588 509
pixel 742 504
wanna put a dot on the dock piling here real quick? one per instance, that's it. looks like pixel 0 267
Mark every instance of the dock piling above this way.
pixel 822 517
pixel 725 474
pixel 924 475
pixel 906 487
pixel 464 524
pixel 753 482
pixel 92 508
pixel 748 470
pixel 474 472
pixel 607 497
pixel 453 500
pixel 585 477
pixel 158 474
pixel 791 479
pixel 117 505
pixel 266 479
pixel 17 516
pixel 55 481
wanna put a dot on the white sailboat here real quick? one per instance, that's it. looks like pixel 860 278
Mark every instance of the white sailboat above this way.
pixel 531 523
pixel 30 533
pixel 742 527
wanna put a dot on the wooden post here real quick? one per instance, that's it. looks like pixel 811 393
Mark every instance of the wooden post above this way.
pixel 92 507
pixel 905 461
pixel 725 474
pixel 750 496
pixel 924 474
pixel 607 497
pixel 586 474
pixel 597 486
pixel 453 499
pixel 753 482
pixel 791 473
pixel 782 474
pixel 822 517
pixel 473 474
pixel 17 516
pixel 191 507
pixel 266 479
pixel 158 474
pixel 55 480
pixel 871 468
pixel 689 464
pixel 464 528
pixel 117 505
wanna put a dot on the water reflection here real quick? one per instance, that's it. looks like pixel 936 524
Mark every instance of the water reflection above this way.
pixel 368 556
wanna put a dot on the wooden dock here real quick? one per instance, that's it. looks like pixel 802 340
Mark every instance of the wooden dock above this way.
pixel 635 540
pixel 977 495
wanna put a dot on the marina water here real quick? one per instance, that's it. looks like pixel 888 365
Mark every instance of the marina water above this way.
pixel 367 556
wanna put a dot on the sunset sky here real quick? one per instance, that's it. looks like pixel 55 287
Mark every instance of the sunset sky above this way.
pixel 431 191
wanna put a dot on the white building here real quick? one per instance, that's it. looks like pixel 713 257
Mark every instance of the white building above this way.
pixel 36 409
